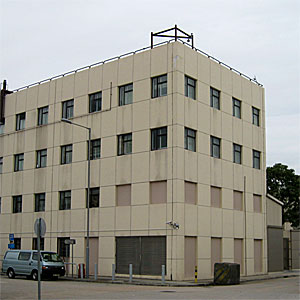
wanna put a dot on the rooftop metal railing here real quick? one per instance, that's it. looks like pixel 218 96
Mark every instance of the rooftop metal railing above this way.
pixel 132 53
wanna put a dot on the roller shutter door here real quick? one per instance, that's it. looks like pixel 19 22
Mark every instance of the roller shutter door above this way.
pixel 146 254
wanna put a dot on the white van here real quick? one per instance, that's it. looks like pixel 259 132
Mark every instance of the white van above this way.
pixel 25 262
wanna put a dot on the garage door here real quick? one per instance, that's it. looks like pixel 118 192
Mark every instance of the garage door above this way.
pixel 146 254
pixel 275 249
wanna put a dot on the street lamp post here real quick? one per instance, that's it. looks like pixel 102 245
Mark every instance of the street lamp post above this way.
pixel 88 196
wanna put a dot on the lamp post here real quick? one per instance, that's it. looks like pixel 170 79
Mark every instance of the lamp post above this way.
pixel 88 196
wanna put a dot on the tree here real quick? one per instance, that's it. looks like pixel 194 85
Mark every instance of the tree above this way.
pixel 284 184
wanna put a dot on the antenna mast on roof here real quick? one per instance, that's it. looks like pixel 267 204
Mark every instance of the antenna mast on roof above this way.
pixel 183 35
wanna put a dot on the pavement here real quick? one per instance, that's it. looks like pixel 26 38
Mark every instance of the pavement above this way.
pixel 200 282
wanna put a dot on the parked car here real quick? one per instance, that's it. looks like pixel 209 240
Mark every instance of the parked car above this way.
pixel 25 262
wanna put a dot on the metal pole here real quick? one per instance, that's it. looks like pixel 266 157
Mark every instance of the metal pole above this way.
pixel 88 209
pixel 39 258
pixel 130 272
pixel 72 259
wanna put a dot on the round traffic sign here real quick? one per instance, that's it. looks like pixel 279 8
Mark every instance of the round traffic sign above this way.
pixel 42 228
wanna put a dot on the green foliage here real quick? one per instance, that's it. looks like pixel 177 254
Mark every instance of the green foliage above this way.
pixel 284 184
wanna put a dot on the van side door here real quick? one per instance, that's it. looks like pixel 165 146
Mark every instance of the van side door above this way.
pixel 23 266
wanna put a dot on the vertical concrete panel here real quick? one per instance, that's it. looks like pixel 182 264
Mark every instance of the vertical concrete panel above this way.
pixel 190 259
pixel 257 256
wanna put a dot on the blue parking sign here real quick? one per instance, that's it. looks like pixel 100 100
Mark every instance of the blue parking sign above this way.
pixel 11 246
pixel 11 237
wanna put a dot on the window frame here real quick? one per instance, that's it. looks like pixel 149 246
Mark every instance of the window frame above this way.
pixel 93 192
pixel 255 116
pixel 43 115
pixel 236 152
pixel 93 154
pixel 39 202
pixel 95 103
pixel 63 250
pixel 68 109
pixel 215 98
pixel 2 126
pixel 190 85
pixel 18 162
pixel 236 108
pixel 157 136
pixel 126 94
pixel 20 121
pixel 190 140
pixel 35 244
pixel 41 158
pixel 66 154
pixel 1 164
pixel 17 204
pixel 124 141
pixel 65 198
pixel 215 142
pixel 256 157
pixel 158 87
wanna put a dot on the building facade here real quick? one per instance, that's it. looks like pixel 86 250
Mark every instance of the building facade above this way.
pixel 177 165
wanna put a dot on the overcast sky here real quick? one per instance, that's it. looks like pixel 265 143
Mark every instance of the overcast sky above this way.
pixel 43 38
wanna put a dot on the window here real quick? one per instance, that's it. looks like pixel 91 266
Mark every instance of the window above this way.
pixel 43 115
pixel 125 94
pixel 236 108
pixel 237 153
pixel 159 86
pixel 214 98
pixel 67 109
pixel 1 165
pixel 20 121
pixel 94 197
pixel 190 87
pixel 123 195
pixel 66 154
pixel 17 242
pixel 215 196
pixel 19 162
pixel 190 192
pixel 255 116
pixel 125 144
pixel 158 192
pixel 65 200
pixel 258 256
pixel 256 159
pixel 216 252
pixel 237 200
pixel 190 139
pixel 35 244
pixel 257 203
pixel 95 152
pixel 17 204
pixel 2 128
pixel 39 203
pixel 95 101
pixel 215 147
pixel 159 138
pixel 63 249
pixel 41 158
pixel 238 254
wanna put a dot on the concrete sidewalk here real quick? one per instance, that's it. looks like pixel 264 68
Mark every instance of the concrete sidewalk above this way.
pixel 201 282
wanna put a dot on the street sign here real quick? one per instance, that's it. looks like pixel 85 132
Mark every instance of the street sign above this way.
pixel 70 242
pixel 11 246
pixel 43 227
pixel 11 237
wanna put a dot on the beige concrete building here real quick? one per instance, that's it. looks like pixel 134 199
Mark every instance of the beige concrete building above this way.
pixel 177 164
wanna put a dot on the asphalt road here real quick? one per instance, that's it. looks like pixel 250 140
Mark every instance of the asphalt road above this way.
pixel 20 288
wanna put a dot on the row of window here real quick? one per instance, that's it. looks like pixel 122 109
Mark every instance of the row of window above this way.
pixel 159 139
pixel 159 89
pixel 158 195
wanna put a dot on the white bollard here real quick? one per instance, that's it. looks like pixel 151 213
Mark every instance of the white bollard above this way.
pixel 163 272
pixel 130 273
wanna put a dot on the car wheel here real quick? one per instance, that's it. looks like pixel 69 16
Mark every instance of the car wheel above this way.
pixel 35 275
pixel 11 273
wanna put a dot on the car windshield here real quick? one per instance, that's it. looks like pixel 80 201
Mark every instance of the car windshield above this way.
pixel 52 257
